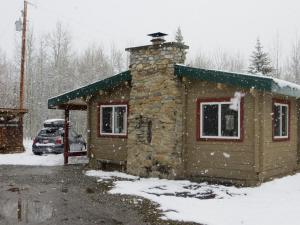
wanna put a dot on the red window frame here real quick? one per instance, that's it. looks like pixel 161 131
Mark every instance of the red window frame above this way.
pixel 285 102
pixel 112 103
pixel 198 119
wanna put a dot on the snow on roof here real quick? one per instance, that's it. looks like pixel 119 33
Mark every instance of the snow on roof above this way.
pixel 284 83
pixel 258 81
pixel 281 83
pixel 54 120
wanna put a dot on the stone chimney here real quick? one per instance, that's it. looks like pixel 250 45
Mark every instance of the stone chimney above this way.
pixel 155 131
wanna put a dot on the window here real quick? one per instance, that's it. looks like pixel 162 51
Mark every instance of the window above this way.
pixel 50 132
pixel 113 119
pixel 218 120
pixel 280 120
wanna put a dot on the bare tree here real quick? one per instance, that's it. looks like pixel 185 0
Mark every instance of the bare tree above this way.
pixel 117 60
pixel 294 61
pixel 53 67
pixel 228 61
pixel 201 61
pixel 59 42
pixel 220 60
pixel 93 65
pixel 276 56
pixel 8 82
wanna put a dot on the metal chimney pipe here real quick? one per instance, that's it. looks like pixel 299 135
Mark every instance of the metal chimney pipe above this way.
pixel 157 38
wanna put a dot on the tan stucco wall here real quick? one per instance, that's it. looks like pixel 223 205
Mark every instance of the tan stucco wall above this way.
pixel 255 159
pixel 108 148
pixel 206 158
pixel 279 157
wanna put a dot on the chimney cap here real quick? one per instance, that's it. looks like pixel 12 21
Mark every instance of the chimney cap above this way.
pixel 157 35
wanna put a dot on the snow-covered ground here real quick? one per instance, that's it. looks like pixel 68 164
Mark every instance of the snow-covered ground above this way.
pixel 28 158
pixel 273 203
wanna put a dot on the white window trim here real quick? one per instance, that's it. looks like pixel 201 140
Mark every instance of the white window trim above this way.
pixel 113 120
pixel 219 121
pixel 280 121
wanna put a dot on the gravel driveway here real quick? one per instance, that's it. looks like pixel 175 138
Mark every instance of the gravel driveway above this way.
pixel 63 195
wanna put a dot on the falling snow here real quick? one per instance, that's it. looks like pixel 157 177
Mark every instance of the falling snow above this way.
pixel 226 155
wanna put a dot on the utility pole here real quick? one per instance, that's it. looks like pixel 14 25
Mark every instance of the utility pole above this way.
pixel 23 52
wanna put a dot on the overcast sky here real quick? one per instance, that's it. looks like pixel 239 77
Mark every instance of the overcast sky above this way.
pixel 232 25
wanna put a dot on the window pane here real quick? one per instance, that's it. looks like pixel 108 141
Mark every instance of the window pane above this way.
pixel 276 120
pixel 210 120
pixel 120 120
pixel 229 121
pixel 107 119
pixel 284 117
pixel 49 132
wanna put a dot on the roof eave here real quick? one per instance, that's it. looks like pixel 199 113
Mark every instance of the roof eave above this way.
pixel 83 92
pixel 233 79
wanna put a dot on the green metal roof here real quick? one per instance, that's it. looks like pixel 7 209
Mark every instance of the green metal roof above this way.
pixel 90 89
pixel 258 82
pixel 262 83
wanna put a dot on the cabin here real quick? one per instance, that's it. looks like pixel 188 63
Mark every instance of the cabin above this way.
pixel 161 118
pixel 11 130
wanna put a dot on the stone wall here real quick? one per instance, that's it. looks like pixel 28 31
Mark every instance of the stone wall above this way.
pixel 155 130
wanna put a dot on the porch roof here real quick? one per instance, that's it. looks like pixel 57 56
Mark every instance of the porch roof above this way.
pixel 75 99
pixel 258 82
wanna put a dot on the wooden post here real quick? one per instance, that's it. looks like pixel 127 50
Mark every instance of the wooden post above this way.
pixel 23 56
pixel 66 136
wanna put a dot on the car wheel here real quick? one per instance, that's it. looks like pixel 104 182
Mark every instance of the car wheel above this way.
pixel 37 153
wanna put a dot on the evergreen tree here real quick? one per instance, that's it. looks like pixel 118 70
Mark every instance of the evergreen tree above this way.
pixel 260 61
pixel 178 36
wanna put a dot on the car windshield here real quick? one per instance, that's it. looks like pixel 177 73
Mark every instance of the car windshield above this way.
pixel 49 133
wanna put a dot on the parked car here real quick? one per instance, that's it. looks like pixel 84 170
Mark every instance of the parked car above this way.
pixel 50 139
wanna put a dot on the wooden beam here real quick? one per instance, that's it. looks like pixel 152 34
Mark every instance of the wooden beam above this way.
pixel 66 136
pixel 71 107
pixel 12 111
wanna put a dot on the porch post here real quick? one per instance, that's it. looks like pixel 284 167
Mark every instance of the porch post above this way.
pixel 66 136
